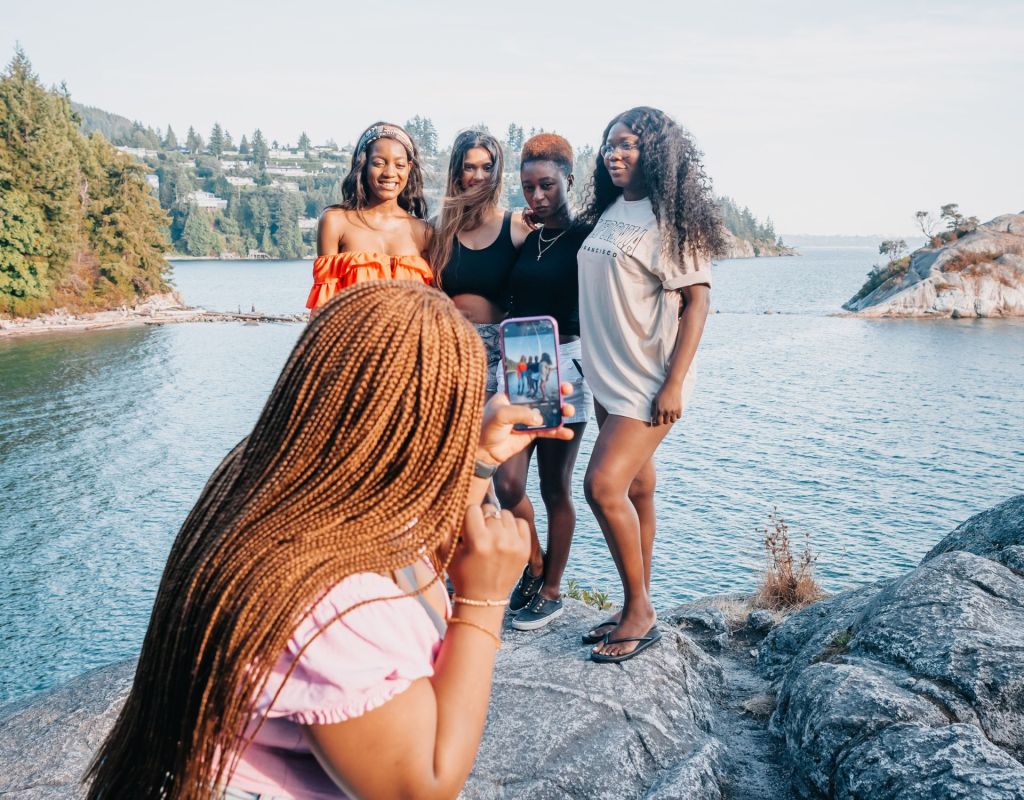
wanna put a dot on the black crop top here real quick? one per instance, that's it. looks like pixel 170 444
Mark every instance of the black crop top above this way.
pixel 549 286
pixel 483 272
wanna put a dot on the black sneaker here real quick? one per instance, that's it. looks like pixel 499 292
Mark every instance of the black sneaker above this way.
pixel 539 613
pixel 525 590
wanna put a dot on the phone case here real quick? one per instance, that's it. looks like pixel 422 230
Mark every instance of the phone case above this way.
pixel 502 329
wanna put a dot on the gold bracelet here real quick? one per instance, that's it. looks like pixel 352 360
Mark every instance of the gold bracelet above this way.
pixel 460 621
pixel 467 601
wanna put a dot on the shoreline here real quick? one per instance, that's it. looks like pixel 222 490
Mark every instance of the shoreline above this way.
pixel 161 309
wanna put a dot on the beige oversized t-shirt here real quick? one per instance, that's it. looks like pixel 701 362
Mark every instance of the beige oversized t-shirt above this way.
pixel 629 314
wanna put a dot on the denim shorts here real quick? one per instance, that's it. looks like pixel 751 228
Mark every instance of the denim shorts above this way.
pixel 492 346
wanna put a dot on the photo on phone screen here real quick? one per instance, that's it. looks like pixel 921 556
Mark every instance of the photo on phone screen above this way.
pixel 529 356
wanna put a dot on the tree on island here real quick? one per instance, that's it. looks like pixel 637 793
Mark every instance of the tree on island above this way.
pixel 79 227
pixel 895 249
pixel 216 146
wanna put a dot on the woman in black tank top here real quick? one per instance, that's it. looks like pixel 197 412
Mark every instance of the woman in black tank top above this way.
pixel 475 243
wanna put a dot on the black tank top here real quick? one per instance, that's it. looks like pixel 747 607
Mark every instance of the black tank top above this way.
pixel 482 272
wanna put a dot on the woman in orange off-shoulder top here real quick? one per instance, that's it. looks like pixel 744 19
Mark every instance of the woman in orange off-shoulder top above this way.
pixel 378 230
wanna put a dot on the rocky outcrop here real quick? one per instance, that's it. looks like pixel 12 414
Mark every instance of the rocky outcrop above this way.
pixel 559 725
pixel 912 687
pixel 736 247
pixel 978 275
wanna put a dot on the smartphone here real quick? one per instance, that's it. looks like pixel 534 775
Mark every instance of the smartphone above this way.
pixel 529 356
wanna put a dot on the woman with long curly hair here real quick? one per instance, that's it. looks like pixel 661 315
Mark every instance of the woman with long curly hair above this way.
pixel 299 621
pixel 645 280
pixel 378 230
pixel 543 282
pixel 475 241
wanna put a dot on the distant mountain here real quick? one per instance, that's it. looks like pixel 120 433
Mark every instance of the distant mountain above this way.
pixel 115 128
pixel 839 240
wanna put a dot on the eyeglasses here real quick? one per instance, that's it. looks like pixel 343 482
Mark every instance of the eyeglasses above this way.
pixel 623 147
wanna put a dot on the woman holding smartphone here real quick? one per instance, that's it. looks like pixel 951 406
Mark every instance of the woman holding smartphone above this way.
pixel 645 278
pixel 379 229
pixel 476 242
pixel 300 624
pixel 543 282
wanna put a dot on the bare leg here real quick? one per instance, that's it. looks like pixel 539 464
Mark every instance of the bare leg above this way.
pixel 555 462
pixel 510 486
pixel 619 487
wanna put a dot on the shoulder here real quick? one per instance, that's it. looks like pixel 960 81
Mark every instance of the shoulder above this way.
pixel 333 217
pixel 520 229
pixel 422 232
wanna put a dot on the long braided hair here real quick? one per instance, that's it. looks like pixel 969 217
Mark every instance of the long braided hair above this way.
pixel 360 462
pixel 680 191
pixel 464 209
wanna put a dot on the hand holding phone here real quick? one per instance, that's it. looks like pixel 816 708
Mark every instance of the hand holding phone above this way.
pixel 529 358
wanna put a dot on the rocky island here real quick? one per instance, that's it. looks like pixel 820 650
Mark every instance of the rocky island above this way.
pixel 907 688
pixel 980 273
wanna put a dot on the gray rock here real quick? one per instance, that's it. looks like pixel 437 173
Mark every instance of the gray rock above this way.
pixel 908 761
pixel 559 725
pixel 988 533
pixel 47 742
pixel 912 687
pixel 760 621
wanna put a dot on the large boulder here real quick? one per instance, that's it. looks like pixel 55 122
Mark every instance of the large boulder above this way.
pixel 980 274
pixel 559 725
pixel 912 687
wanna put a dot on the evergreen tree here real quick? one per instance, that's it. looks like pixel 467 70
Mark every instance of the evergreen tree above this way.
pixel 78 225
pixel 193 141
pixel 243 146
pixel 424 133
pixel 216 140
pixel 229 143
pixel 515 138
pixel 304 143
pixel 198 236
pixel 170 140
pixel 259 149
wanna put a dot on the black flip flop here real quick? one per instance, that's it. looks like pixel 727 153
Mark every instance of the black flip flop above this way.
pixel 593 638
pixel 653 637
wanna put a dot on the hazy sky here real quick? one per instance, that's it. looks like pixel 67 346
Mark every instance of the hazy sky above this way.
pixel 826 120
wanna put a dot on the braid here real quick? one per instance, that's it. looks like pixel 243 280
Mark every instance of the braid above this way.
pixel 360 462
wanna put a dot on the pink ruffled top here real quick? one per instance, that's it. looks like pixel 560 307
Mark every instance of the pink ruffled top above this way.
pixel 354 665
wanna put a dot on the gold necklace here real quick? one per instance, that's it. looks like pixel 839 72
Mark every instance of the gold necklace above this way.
pixel 548 244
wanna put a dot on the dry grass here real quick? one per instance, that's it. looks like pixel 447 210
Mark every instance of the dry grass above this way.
pixel 760 706
pixel 788 581
pixel 962 260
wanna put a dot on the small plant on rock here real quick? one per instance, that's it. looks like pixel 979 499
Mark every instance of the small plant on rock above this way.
pixel 592 597
pixel 788 581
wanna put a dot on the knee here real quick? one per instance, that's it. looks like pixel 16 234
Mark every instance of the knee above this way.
pixel 642 486
pixel 554 493
pixel 510 489
pixel 602 493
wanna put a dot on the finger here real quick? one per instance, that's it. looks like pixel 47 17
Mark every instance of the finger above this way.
pixel 568 409
pixel 507 414
pixel 566 388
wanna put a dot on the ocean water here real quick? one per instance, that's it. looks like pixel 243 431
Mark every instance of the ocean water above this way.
pixel 873 438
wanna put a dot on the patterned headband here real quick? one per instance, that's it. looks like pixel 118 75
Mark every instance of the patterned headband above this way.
pixel 385 132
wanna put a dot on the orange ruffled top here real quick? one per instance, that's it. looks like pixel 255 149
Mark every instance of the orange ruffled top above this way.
pixel 333 273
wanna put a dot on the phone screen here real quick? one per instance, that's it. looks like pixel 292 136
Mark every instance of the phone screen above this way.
pixel 529 356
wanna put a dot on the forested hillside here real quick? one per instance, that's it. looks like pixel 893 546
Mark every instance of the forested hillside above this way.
pixel 79 227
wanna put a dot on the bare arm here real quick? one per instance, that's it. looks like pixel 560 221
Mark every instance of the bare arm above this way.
pixel 422 742
pixel 330 231
pixel 520 229
pixel 667 405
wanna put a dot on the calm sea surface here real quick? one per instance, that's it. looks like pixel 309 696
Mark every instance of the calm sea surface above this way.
pixel 872 437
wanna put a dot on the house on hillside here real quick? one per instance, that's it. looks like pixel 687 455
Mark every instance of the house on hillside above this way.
pixel 234 180
pixel 206 200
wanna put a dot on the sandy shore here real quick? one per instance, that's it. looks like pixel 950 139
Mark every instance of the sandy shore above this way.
pixel 160 309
